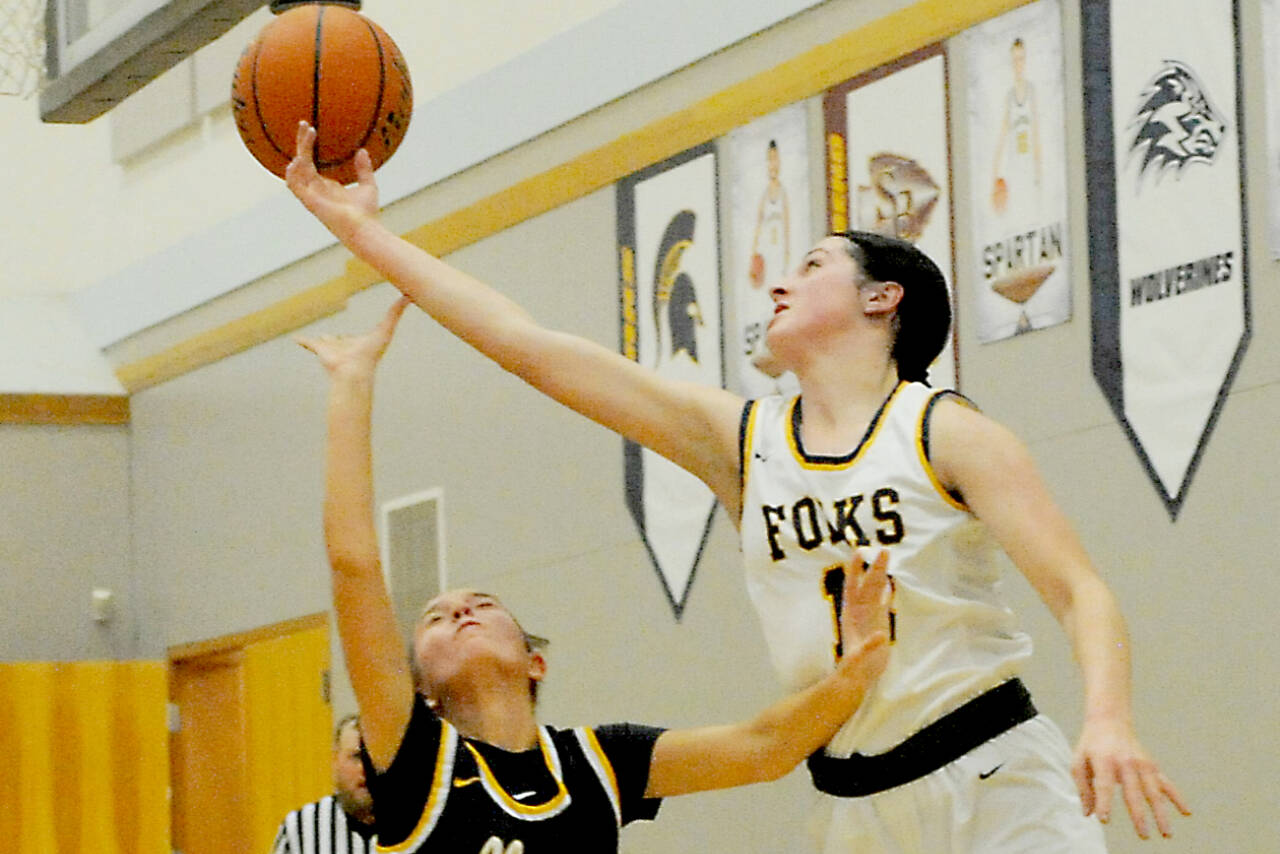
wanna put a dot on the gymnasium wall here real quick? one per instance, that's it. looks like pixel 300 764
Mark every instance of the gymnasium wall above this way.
pixel 222 464
pixel 65 530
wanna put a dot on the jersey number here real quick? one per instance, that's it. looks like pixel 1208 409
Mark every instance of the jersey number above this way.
pixel 833 592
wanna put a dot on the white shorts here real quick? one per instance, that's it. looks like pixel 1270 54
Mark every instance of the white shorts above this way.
pixel 1012 795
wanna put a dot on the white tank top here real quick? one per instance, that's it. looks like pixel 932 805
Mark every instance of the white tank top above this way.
pixel 802 515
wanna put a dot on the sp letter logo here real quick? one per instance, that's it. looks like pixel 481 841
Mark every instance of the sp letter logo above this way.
pixel 1175 123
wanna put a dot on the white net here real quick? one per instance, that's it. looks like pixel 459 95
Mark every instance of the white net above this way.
pixel 21 46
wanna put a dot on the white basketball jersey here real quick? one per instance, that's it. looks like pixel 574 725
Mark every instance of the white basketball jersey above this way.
pixel 802 516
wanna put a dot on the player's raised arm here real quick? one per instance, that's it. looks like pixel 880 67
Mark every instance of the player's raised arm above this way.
pixel 771 744
pixel 371 644
pixel 695 426
pixel 995 473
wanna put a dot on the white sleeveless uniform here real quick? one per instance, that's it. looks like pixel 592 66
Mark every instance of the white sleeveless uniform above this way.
pixel 772 244
pixel 953 638
pixel 1020 158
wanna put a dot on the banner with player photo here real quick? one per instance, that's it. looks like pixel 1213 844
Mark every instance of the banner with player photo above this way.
pixel 1164 147
pixel 889 164
pixel 766 171
pixel 1018 164
pixel 669 275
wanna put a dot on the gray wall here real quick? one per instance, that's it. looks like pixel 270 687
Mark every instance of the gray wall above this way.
pixel 64 531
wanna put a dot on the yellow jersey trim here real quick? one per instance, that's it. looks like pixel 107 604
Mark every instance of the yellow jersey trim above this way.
pixel 924 457
pixel 599 761
pixel 440 783
pixel 555 805
pixel 748 435
pixel 818 463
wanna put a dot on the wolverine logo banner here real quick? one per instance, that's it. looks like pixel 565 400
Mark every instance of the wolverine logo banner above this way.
pixel 669 273
pixel 1175 124
pixel 1168 269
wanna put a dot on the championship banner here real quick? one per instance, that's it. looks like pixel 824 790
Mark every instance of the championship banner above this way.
pixel 1018 162
pixel 669 272
pixel 1164 148
pixel 889 164
pixel 766 170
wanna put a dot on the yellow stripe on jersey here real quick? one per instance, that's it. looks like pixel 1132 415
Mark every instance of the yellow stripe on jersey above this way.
pixel 599 760
pixel 748 438
pixel 440 783
pixel 841 463
pixel 924 457
pixel 558 801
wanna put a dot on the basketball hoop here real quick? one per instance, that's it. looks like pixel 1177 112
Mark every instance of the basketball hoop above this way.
pixel 21 46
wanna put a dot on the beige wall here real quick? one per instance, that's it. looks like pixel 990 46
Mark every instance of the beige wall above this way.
pixel 223 465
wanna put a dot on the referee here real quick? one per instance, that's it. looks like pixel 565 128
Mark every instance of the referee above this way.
pixel 341 823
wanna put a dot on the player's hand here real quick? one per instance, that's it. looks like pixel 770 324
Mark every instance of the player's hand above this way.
pixel 864 613
pixel 341 209
pixel 355 354
pixel 1109 754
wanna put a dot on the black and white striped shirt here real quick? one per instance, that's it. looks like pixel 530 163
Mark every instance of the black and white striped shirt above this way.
pixel 321 827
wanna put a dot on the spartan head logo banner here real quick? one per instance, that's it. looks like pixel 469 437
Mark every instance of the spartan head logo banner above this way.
pixel 1169 296
pixel 668 239
pixel 1175 124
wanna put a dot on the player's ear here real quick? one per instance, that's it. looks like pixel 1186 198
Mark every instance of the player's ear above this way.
pixel 537 666
pixel 880 297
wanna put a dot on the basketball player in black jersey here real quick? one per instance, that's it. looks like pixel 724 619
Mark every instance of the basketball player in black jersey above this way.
pixel 457 760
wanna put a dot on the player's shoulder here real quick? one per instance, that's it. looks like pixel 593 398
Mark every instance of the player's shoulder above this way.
pixel 956 426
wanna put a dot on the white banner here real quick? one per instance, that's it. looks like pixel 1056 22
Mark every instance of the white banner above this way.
pixel 1271 60
pixel 889 162
pixel 1166 232
pixel 1017 160
pixel 766 169
pixel 669 253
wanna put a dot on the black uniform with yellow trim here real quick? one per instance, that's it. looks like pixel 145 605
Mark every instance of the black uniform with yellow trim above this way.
pixel 573 792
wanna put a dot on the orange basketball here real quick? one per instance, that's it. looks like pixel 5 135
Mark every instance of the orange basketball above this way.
pixel 337 70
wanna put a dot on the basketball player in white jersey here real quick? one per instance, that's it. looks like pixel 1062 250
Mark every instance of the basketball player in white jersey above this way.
pixel 1017 155
pixel 770 259
pixel 866 452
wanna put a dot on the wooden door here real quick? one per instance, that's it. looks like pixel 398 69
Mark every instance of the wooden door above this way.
pixel 208 754
pixel 253 738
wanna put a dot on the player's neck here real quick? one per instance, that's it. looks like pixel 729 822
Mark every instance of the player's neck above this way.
pixel 839 401
pixel 503 718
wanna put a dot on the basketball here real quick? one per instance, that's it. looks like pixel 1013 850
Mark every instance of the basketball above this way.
pixel 332 67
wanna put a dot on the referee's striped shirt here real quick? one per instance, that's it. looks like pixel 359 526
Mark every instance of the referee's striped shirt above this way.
pixel 321 827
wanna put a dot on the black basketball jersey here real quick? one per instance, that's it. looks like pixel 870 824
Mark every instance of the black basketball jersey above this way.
pixel 573 792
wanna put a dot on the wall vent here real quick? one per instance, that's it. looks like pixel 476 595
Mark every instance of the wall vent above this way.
pixel 413 553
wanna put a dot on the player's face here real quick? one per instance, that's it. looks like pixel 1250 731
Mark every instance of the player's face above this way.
pixel 348 775
pixel 819 297
pixel 462 628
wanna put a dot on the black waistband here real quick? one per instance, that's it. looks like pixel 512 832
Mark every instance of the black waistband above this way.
pixel 940 743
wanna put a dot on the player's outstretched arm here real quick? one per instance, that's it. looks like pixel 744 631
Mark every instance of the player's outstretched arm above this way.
pixel 771 744
pixel 692 425
pixel 371 644
pixel 994 472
